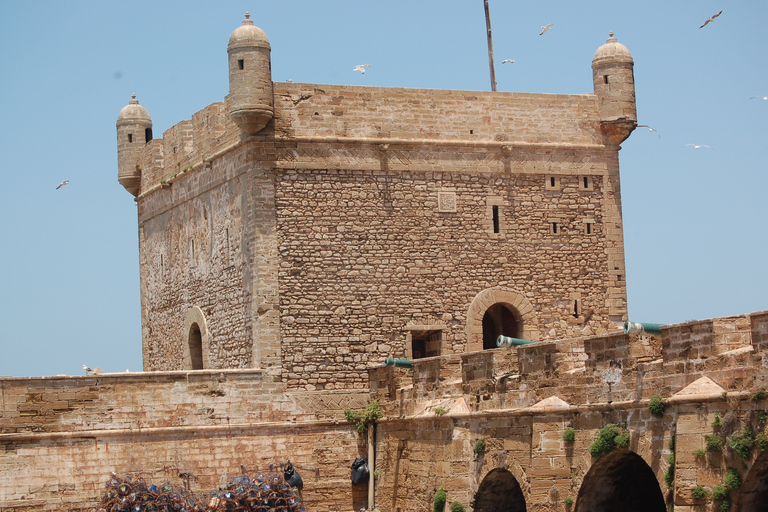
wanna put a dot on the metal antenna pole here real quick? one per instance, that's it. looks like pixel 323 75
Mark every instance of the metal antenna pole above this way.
pixel 490 46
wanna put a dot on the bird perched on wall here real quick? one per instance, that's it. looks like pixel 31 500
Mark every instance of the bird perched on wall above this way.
pixel 62 184
pixel 508 61
pixel 545 28
pixel 87 369
pixel 711 19
pixel 361 68
pixel 698 146
pixel 651 129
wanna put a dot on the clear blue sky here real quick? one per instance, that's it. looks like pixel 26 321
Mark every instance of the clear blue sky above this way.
pixel 695 221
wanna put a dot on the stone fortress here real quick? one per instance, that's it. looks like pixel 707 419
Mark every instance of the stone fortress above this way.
pixel 294 237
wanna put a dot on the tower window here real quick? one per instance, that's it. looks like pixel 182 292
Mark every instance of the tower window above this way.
pixel 552 181
pixel 147 134
pixel 241 64
pixel 605 78
pixel 589 228
pixel 130 137
pixel 495 210
pixel 585 182
pixel 576 308
pixel 554 227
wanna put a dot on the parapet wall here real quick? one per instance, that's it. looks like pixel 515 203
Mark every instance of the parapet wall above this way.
pixel 310 111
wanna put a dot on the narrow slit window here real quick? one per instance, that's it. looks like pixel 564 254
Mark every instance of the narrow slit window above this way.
pixel 495 212
pixel 241 64
pixel 589 228
pixel 585 181
pixel 552 181
pixel 576 309
pixel 605 78
pixel 554 227
pixel 147 134
pixel 130 137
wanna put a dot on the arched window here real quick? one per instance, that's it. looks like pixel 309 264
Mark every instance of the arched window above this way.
pixel 498 320
pixel 195 341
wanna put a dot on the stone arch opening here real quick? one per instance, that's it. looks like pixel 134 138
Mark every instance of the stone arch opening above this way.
pixel 499 492
pixel 493 307
pixel 498 320
pixel 753 495
pixel 195 342
pixel 621 480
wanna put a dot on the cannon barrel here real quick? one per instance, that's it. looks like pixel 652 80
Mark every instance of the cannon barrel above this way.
pixel 506 341
pixel 638 327
pixel 400 363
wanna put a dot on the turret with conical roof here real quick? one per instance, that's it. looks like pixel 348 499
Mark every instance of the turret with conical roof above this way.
pixel 251 105
pixel 613 78
pixel 134 130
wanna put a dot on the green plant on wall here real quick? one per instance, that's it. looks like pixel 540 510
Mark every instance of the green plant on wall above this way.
pixel 456 506
pixel 742 442
pixel 568 501
pixel 608 439
pixel 438 503
pixel 656 406
pixel 732 479
pixel 714 443
pixel 569 435
pixel 718 422
pixel 479 448
pixel 699 493
pixel 720 494
pixel 758 395
pixel 439 411
pixel 361 419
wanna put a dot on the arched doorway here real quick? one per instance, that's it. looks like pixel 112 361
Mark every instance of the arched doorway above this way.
pixel 621 480
pixel 498 320
pixel 499 492
pixel 753 496
pixel 195 341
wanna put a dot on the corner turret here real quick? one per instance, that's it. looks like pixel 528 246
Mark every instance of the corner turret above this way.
pixel 614 81
pixel 134 130
pixel 251 105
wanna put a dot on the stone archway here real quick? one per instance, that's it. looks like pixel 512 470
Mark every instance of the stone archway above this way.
pixel 753 495
pixel 499 492
pixel 196 341
pixel 500 303
pixel 623 481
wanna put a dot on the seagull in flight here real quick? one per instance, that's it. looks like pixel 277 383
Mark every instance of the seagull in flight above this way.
pixel 651 129
pixel 361 68
pixel 711 19
pixel 545 28
pixel 761 97
pixel 698 146
pixel 62 184
pixel 508 61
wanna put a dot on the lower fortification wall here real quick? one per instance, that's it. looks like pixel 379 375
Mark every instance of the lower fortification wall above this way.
pixel 512 426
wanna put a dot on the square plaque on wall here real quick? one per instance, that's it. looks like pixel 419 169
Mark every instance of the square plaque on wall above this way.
pixel 446 201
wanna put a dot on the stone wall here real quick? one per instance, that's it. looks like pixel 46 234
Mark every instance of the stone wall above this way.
pixel 61 436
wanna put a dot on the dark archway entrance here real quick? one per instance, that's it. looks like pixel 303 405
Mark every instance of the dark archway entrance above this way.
pixel 498 320
pixel 499 492
pixel 620 481
pixel 196 347
pixel 754 491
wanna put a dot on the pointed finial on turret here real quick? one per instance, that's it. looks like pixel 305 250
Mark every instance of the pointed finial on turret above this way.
pixel 247 20
pixel 133 101
pixel 610 39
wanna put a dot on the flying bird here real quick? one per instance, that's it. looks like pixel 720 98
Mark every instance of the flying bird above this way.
pixel 761 97
pixel 62 184
pixel 545 28
pixel 697 146
pixel 508 61
pixel 651 129
pixel 711 19
pixel 361 68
